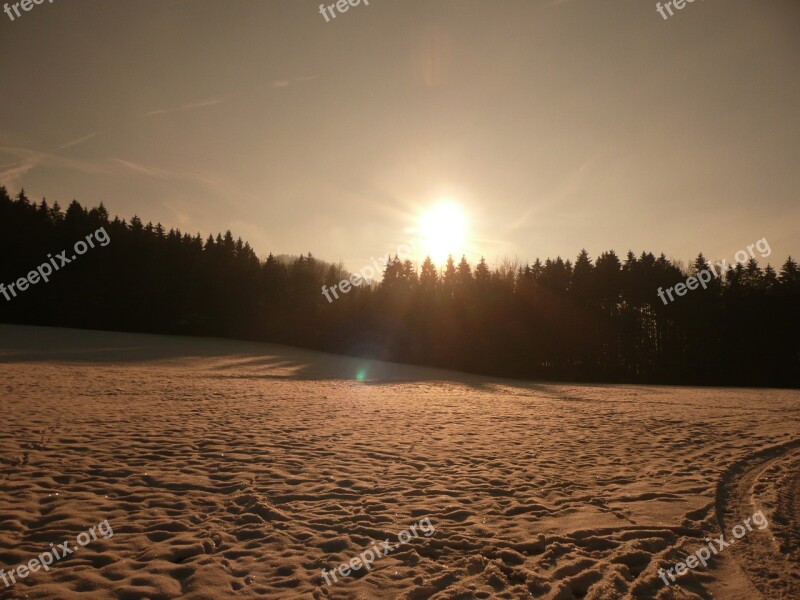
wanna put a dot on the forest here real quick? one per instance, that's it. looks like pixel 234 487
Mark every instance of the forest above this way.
pixel 585 320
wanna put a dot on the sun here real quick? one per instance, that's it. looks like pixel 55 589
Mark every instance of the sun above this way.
pixel 443 231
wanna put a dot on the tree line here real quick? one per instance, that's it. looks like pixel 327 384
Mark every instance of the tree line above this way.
pixel 587 320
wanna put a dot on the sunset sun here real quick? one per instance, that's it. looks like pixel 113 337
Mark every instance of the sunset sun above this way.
pixel 443 231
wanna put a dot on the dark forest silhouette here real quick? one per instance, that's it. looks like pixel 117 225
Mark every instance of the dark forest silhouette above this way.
pixel 583 321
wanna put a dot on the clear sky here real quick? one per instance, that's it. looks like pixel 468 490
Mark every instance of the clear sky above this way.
pixel 552 124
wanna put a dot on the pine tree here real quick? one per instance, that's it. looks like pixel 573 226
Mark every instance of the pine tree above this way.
pixel 770 279
pixel 753 277
pixel 581 283
pixel 393 272
pixel 464 272
pixel 700 264
pixel 428 276
pixel 482 274
pixel 790 274
pixel 449 275
pixel 56 214
pixel 409 273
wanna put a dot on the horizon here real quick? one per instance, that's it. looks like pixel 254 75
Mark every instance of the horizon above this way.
pixel 417 258
pixel 637 135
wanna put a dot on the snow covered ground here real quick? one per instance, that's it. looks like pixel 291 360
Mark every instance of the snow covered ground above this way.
pixel 241 470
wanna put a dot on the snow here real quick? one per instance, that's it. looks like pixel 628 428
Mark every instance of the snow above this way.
pixel 236 469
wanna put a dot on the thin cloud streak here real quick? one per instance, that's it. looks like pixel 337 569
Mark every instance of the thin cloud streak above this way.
pixel 203 104
pixel 220 187
pixel 283 83
pixel 278 83
pixel 570 185
pixel 12 173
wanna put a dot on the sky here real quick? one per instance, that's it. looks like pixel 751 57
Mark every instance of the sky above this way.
pixel 552 125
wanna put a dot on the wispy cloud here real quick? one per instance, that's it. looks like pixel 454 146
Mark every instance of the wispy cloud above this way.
pixel 182 214
pixel 192 106
pixel 221 188
pixel 572 183
pixel 282 83
pixel 76 142
pixel 28 159
pixel 278 83
pixel 148 170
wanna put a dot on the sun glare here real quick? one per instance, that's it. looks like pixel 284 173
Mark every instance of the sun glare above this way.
pixel 443 231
